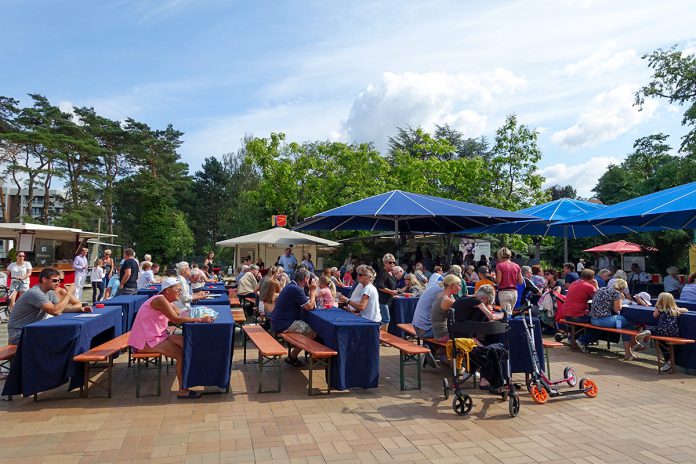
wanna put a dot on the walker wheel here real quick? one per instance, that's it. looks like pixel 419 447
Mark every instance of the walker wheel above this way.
pixel 446 388
pixel 569 373
pixel 514 405
pixel 462 404
pixel 539 394
pixel 589 387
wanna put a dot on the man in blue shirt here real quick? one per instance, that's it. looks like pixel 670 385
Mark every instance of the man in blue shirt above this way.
pixel 422 321
pixel 569 274
pixel 289 262
pixel 287 315
pixel 602 277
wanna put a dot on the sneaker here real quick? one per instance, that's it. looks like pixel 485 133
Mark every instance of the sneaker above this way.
pixel 640 338
pixel 666 366
pixel 558 337
pixel 580 346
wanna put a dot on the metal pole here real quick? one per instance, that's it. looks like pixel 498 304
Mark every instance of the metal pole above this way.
pixel 396 239
pixel 565 244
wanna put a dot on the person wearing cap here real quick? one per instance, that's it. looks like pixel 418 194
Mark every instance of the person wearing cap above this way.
pixel 186 296
pixel 149 333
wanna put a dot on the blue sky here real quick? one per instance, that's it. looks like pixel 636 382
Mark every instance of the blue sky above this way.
pixel 354 71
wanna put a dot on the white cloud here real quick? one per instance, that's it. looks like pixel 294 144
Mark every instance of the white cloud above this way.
pixel 462 100
pixel 583 176
pixel 603 61
pixel 609 115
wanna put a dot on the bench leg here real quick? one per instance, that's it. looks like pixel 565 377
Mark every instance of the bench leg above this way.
pixel 409 360
pixel 84 389
pixel 137 378
pixel 311 370
pixel 273 360
pixel 108 373
pixel 158 361
pixel 548 363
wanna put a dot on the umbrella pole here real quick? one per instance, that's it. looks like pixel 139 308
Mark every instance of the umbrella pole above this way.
pixel 565 244
pixel 396 239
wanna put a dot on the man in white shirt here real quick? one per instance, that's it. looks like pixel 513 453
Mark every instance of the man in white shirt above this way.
pixel 20 272
pixel 81 267
pixel 637 275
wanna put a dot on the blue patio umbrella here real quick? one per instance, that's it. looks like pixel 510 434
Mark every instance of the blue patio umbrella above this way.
pixel 550 214
pixel 405 212
pixel 673 208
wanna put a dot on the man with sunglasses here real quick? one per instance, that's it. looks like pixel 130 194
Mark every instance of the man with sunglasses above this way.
pixel 44 298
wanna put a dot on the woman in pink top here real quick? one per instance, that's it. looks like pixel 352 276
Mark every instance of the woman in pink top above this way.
pixel 149 333
pixel 507 276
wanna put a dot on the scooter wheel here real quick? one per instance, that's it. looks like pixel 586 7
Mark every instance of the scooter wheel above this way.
pixel 589 387
pixel 514 405
pixel 539 394
pixel 446 388
pixel 569 374
pixel 462 404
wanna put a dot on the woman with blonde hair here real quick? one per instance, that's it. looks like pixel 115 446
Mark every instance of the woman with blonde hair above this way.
pixel 451 285
pixel 667 313
pixel 415 287
pixel 365 299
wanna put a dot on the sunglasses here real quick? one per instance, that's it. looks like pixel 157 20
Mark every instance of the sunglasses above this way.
pixel 362 275
pixel 55 281
pixel 391 262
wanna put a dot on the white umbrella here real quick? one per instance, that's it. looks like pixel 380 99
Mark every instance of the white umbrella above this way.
pixel 277 236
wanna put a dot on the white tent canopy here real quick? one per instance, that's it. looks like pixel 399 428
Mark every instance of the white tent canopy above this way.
pixel 277 236
pixel 10 230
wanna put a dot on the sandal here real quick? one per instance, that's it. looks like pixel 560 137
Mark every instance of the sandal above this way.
pixel 192 395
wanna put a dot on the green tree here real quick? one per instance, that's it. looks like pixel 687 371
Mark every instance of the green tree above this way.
pixel 212 197
pixel 674 79
pixel 515 182
pixel 556 192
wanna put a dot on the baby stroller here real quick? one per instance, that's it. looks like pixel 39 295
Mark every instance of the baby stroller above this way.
pixel 498 363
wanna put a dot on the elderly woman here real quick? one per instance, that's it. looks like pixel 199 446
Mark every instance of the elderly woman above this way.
pixel 457 270
pixel 689 290
pixel 336 277
pixel 364 300
pixel 620 274
pixel 186 296
pixel 451 285
pixel 401 284
pixel 149 332
pixel 606 312
pixel 470 274
pixel 348 276
pixel 672 284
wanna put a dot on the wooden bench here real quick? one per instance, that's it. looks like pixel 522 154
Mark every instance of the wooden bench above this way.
pixel 547 344
pixel 409 354
pixel 104 352
pixel 143 360
pixel 270 352
pixel 7 354
pixel 410 332
pixel 668 342
pixel 319 356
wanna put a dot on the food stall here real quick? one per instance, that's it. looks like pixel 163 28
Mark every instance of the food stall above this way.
pixel 47 246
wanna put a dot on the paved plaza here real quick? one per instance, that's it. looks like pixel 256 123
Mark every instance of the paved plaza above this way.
pixel 639 416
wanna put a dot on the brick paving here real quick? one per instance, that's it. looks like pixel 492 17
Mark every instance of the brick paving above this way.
pixel 639 416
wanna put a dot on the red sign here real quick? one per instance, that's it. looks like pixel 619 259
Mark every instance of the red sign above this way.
pixel 279 221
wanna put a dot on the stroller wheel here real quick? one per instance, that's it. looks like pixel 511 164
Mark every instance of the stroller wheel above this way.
pixel 446 388
pixel 590 387
pixel 514 405
pixel 461 404
pixel 569 374
pixel 539 394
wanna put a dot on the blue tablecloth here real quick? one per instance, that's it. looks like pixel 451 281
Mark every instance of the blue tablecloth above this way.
pixel 129 304
pixel 150 290
pixel 356 340
pixel 688 304
pixel 520 360
pixel 686 354
pixel 215 288
pixel 402 313
pixel 214 299
pixel 46 349
pixel 345 291
pixel 208 350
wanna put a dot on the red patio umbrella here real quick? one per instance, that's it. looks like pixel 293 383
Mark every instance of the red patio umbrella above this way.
pixel 621 247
